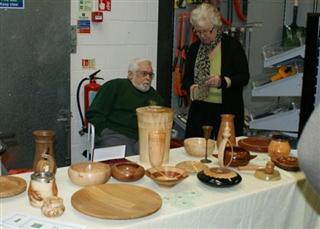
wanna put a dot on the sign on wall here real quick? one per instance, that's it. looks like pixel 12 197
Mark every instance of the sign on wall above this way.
pixel 12 4
pixel 84 26
pixel 104 5
pixel 84 23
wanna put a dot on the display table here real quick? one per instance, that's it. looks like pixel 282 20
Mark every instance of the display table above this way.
pixel 287 203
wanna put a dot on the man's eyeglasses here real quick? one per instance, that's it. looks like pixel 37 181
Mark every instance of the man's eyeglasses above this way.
pixel 145 73
pixel 203 32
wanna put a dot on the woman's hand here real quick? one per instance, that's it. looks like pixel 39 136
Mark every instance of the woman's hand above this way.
pixel 194 91
pixel 214 81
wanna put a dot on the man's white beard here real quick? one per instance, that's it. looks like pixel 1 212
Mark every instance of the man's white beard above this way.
pixel 142 87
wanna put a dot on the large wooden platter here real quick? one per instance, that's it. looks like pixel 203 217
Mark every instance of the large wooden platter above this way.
pixel 11 186
pixel 116 201
pixel 255 144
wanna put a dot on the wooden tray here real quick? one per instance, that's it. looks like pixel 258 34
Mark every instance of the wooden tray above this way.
pixel 255 144
pixel 11 186
pixel 116 201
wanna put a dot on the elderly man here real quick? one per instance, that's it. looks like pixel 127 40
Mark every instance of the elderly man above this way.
pixel 113 111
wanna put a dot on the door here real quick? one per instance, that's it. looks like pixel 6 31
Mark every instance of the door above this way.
pixel 35 78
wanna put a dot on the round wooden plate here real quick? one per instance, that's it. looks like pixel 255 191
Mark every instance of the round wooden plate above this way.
pixel 255 144
pixel 116 201
pixel 11 186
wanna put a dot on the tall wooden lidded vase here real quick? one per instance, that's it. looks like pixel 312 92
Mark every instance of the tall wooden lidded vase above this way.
pixel 44 156
pixel 154 119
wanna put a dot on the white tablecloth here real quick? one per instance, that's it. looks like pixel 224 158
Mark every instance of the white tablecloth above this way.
pixel 191 204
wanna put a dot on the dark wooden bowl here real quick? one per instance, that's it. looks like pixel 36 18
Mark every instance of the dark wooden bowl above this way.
pixel 219 177
pixel 240 157
pixel 255 144
pixel 127 171
pixel 288 163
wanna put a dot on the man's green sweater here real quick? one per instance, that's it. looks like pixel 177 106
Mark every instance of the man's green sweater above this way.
pixel 115 105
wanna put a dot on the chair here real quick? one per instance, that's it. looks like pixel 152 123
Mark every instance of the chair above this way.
pixel 88 152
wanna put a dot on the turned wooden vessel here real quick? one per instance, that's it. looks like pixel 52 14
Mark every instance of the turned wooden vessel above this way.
pixel 227 120
pixel 167 176
pixel 154 123
pixel 53 206
pixel 44 156
pixel 279 146
pixel 89 173
pixel 127 171
pixel 42 185
pixel 240 156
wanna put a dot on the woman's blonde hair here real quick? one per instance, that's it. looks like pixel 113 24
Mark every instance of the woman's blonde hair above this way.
pixel 204 14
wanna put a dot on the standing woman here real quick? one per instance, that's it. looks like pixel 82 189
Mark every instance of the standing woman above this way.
pixel 216 70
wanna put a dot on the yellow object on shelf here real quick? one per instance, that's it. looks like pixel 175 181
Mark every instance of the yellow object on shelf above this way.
pixel 284 72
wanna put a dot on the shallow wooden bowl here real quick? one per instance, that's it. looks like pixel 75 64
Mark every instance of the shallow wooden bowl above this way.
pixel 127 171
pixel 197 146
pixel 219 177
pixel 167 176
pixel 89 173
pixel 289 163
pixel 191 166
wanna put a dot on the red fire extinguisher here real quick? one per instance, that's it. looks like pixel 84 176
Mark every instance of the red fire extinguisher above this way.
pixel 90 91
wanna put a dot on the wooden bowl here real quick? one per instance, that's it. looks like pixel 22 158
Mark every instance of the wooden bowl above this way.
pixel 127 171
pixel 197 146
pixel 89 173
pixel 240 157
pixel 167 176
pixel 191 166
pixel 289 163
pixel 219 177
pixel 255 143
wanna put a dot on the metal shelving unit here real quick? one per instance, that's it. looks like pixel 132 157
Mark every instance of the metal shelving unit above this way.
pixel 275 54
pixel 288 87
pixel 283 121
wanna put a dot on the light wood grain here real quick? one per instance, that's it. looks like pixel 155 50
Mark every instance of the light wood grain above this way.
pixel 116 201
pixel 191 166
pixel 11 186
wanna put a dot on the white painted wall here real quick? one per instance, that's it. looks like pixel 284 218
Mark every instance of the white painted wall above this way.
pixel 129 30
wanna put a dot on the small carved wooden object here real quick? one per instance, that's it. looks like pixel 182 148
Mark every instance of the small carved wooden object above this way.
pixel 53 206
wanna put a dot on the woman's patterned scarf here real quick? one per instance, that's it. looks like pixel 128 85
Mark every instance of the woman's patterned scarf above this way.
pixel 202 65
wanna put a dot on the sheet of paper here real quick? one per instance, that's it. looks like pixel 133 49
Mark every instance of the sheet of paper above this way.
pixel 108 153
pixel 17 220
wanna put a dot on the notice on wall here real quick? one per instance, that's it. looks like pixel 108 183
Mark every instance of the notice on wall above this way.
pixel 85 5
pixel 83 15
pixel 84 26
pixel 12 4
pixel 88 63
pixel 84 22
